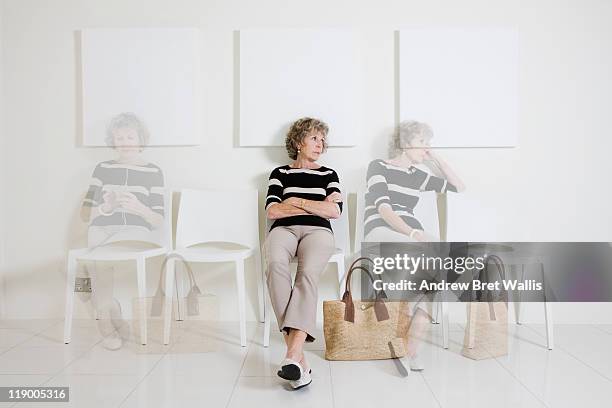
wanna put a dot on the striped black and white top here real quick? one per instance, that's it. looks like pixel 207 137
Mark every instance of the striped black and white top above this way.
pixel 310 184
pixel 397 187
pixel 146 182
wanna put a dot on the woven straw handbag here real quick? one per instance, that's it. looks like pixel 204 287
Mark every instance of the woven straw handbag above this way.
pixel 486 334
pixel 364 330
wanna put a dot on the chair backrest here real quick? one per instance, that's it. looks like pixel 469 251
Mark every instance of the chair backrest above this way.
pixel 160 236
pixel 340 226
pixel 359 211
pixel 426 211
pixel 218 216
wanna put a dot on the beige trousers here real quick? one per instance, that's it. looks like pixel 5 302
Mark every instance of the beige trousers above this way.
pixel 295 306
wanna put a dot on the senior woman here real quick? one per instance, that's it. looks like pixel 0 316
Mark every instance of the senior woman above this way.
pixel 393 194
pixel 302 197
pixel 124 202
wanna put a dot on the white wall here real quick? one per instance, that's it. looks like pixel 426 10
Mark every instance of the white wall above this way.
pixel 2 186
pixel 552 187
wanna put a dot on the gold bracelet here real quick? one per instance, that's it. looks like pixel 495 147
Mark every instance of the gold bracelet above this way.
pixel 303 204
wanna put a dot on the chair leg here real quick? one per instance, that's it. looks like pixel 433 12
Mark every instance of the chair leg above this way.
pixel 471 325
pixel 142 300
pixel 241 300
pixel 548 316
pixel 259 270
pixel 169 288
pixel 268 318
pixel 435 312
pixel 70 281
pixel 517 305
pixel 445 323
pixel 93 275
pixel 341 280
pixel 549 325
pixel 180 292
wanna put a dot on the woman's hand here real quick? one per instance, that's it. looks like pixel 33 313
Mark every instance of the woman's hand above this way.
pixel 109 203
pixel 131 203
pixel 445 170
pixel 431 155
pixel 418 235
pixel 294 201
pixel 422 236
pixel 334 197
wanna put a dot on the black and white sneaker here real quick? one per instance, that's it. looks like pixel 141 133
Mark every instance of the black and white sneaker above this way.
pixel 290 370
pixel 304 380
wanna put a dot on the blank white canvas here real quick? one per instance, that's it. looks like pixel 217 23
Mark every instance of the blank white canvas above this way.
pixel 462 82
pixel 150 72
pixel 286 74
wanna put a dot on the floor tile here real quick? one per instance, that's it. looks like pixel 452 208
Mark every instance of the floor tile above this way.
pixel 99 360
pixel 12 337
pixel 91 391
pixel 20 380
pixel 457 381
pixel 221 363
pixel 583 342
pixel 165 389
pixel 38 360
pixel 54 336
pixel 274 392
pixel 553 376
pixel 374 383
pixel 32 325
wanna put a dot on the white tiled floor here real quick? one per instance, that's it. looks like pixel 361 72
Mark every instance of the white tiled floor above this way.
pixel 205 366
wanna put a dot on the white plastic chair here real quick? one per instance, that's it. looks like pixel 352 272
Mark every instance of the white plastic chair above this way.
pixel 426 212
pixel 340 227
pixel 485 226
pixel 121 246
pixel 207 217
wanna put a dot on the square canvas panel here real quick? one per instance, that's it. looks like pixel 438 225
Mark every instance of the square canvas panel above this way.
pixel 462 82
pixel 151 72
pixel 286 74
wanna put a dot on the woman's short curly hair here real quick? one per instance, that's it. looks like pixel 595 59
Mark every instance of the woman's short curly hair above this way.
pixel 407 131
pixel 127 120
pixel 302 128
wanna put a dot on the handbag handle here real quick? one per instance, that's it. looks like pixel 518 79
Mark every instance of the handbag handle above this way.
pixel 190 275
pixel 347 282
pixel 501 271
pixel 192 281
pixel 347 298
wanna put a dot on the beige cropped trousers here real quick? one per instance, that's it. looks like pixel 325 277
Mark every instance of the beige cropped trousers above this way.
pixel 295 306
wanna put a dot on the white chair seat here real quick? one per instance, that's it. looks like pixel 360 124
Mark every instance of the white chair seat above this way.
pixel 213 254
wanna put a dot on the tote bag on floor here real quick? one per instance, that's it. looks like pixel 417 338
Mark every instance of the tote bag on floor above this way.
pixel 364 330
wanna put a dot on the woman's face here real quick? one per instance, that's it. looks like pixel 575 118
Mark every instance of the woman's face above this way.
pixel 126 141
pixel 312 146
pixel 418 149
